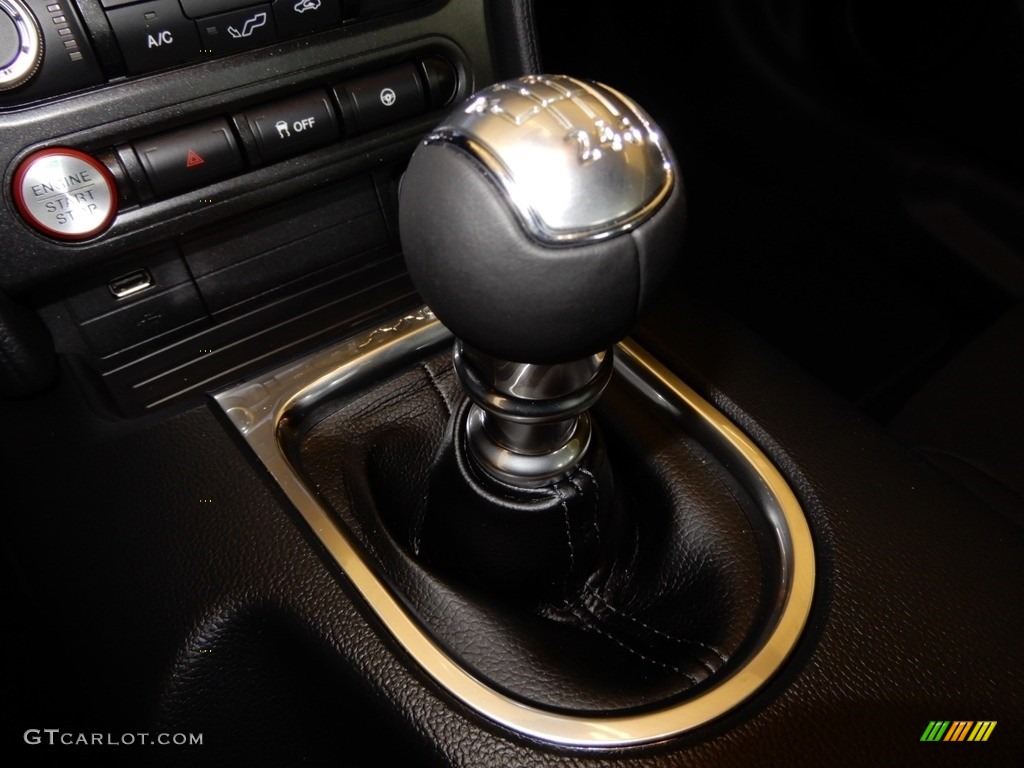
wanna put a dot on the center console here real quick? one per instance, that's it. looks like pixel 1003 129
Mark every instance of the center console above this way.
pixel 261 493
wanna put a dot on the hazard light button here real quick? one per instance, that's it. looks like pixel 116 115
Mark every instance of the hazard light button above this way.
pixel 189 158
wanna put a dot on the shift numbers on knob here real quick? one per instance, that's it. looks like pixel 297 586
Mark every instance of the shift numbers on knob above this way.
pixel 604 136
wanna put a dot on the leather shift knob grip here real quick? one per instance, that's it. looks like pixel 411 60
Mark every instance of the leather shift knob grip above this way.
pixel 540 217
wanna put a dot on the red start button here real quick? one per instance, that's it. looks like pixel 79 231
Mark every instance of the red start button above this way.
pixel 65 193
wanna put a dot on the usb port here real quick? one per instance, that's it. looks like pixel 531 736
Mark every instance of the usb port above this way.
pixel 130 284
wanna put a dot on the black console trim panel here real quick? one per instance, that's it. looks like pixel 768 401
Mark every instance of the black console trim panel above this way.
pixel 186 325
pixel 102 121
pixel 75 44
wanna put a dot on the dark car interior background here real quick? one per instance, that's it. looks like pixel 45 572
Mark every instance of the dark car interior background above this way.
pixel 235 479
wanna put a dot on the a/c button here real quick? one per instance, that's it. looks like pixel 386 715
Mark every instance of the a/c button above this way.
pixel 154 35
pixel 189 158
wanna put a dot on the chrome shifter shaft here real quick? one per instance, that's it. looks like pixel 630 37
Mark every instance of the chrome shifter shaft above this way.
pixel 537 222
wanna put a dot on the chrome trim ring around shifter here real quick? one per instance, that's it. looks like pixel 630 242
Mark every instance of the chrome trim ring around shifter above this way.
pixel 532 394
pixel 523 469
pixel 267 408
pixel 528 425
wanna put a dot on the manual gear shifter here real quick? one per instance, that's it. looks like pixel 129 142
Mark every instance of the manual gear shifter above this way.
pixel 605 596
pixel 537 222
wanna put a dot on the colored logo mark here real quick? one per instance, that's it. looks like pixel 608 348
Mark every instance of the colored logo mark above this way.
pixel 958 730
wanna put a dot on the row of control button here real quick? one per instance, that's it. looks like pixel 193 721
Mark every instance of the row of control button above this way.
pixel 156 34
pixel 200 154
pixel 69 195
pixel 47 48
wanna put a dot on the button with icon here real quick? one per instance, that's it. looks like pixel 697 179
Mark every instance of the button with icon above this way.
pixel 300 17
pixel 236 31
pixel 288 127
pixel 381 98
pixel 190 157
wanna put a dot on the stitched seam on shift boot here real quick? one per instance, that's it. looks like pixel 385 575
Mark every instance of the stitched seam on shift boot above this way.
pixel 597 498
pixel 587 620
pixel 655 631
pixel 416 532
pixel 568 533
pixel 435 382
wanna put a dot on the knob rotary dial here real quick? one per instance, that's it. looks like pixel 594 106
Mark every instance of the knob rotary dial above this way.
pixel 21 44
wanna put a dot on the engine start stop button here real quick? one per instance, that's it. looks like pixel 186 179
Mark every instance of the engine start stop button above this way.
pixel 65 193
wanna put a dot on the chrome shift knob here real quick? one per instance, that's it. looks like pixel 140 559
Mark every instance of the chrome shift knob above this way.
pixel 575 160
pixel 538 219
pixel 537 222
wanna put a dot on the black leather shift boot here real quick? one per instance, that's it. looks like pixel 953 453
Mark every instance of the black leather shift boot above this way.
pixel 546 542
pixel 639 588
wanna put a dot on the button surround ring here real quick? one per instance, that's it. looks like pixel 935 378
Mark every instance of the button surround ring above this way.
pixel 48 197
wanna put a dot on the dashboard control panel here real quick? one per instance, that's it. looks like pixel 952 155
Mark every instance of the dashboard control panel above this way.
pixel 21 45
pixel 69 195
pixel 44 50
pixel 177 215
pixel 54 47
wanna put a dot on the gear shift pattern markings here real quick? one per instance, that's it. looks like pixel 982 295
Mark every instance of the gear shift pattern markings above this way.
pixel 530 132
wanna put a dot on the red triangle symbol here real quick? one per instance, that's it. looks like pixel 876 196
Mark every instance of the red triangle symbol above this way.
pixel 193 159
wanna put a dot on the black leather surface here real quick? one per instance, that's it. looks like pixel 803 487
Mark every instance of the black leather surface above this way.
pixel 166 589
pixel 547 598
pixel 131 578
pixel 515 37
pixel 520 545
pixel 919 608
pixel 969 418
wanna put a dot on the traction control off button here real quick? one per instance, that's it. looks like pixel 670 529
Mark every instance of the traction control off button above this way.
pixel 65 193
